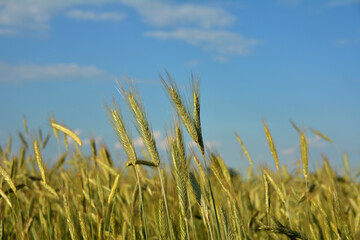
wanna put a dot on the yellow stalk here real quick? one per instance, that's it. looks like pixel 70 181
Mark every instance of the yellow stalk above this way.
pixel 39 160
pixel 67 132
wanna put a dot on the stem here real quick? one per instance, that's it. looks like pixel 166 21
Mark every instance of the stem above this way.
pixel 212 196
pixel 307 200
pixel 141 201
pixel 191 218
pixel 187 228
pixel 166 207
pixel 211 234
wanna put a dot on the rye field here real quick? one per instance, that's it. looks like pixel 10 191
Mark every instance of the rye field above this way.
pixel 87 196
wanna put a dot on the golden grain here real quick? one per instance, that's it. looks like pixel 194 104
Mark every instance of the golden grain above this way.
pixel 69 218
pixel 244 149
pixel 7 179
pixel 271 145
pixel 113 189
pixel 83 226
pixel 275 186
pixel 7 200
pixel 323 136
pixel 304 154
pixel 39 160
pixel 66 131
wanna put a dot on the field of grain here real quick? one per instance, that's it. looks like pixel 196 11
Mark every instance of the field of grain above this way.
pixel 85 196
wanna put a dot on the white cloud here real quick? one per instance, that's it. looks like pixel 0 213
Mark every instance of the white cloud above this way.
pixel 98 141
pixel 157 134
pixel 162 14
pixel 32 14
pixel 94 16
pixel 163 144
pixel 212 144
pixel 201 26
pixel 220 41
pixel 117 145
pixel 30 72
pixel 37 14
pixel 288 151
pixel 316 142
pixel 138 142
pixel 198 25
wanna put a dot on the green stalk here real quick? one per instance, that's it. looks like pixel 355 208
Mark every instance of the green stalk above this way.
pixel 211 194
pixel 141 201
pixel 165 202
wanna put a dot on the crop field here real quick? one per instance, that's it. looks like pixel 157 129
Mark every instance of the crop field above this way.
pixel 86 196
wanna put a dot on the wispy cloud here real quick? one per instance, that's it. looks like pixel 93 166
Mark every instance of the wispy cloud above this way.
pixel 98 140
pixel 138 142
pixel 212 144
pixel 198 25
pixel 11 73
pixel 162 14
pixel 117 145
pixel 19 16
pixel 95 16
pixel 219 41
pixel 316 142
pixel 36 14
pixel 288 151
pixel 29 14
pixel 201 26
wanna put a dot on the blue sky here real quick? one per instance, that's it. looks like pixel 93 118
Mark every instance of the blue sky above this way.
pixel 276 60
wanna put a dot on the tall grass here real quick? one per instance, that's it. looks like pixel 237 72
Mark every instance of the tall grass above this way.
pixel 85 196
